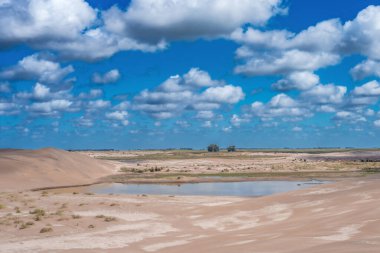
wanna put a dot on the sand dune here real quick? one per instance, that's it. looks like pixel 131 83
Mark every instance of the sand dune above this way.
pixel 339 217
pixel 26 169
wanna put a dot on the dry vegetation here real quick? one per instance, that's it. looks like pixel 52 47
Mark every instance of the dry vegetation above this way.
pixel 188 165
pixel 28 211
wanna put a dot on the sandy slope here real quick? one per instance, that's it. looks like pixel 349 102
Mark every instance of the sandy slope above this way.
pixel 25 169
pixel 340 218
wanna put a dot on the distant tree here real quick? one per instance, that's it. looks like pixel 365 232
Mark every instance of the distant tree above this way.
pixel 213 148
pixel 231 149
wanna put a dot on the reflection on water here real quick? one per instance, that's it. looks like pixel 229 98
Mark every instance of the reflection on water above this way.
pixel 251 189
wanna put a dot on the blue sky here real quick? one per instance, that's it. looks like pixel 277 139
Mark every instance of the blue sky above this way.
pixel 135 74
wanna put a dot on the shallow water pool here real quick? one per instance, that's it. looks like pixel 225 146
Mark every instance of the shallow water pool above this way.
pixel 244 189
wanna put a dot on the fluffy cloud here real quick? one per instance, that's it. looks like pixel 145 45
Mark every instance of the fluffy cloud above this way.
pixel 99 104
pixel 236 120
pixel 194 79
pixel 9 108
pixel 319 46
pixel 119 116
pixel 286 62
pixel 98 43
pixel 325 94
pixel 365 69
pixel 109 77
pixel 283 101
pixel 52 107
pixel 227 94
pixel 76 30
pixel 93 93
pixel 188 92
pixel 205 115
pixel 376 123
pixel 348 107
pixel 72 28
pixel 297 81
pixel 281 106
pixel 41 100
pixel 369 89
pixel 198 78
pixel 35 21
pixel 362 34
pixel 34 67
pixel 148 20
pixel 366 94
pixel 322 37
pixel 122 106
pixel 349 116
pixel 319 98
pixel 42 92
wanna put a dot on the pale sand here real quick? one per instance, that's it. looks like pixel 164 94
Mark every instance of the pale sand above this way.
pixel 338 217
pixel 324 218
pixel 26 169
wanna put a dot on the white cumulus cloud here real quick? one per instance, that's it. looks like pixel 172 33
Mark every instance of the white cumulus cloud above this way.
pixel 109 77
pixel 189 92
pixel 35 67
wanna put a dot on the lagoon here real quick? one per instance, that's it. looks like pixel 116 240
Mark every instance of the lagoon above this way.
pixel 242 189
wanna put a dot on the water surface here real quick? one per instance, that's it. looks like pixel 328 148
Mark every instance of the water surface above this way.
pixel 245 189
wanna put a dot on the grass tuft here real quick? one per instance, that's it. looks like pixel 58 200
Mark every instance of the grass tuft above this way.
pixel 46 230
pixel 109 219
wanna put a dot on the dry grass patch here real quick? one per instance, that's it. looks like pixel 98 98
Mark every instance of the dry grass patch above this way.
pixel 58 212
pixel 38 212
pixel 109 219
pixel 63 206
pixel 46 230
pixel 26 225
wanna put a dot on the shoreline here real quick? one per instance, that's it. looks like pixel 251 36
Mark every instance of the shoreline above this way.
pixel 196 179
pixel 84 222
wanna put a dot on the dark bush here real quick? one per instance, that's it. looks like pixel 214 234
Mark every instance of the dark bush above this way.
pixel 231 149
pixel 213 148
